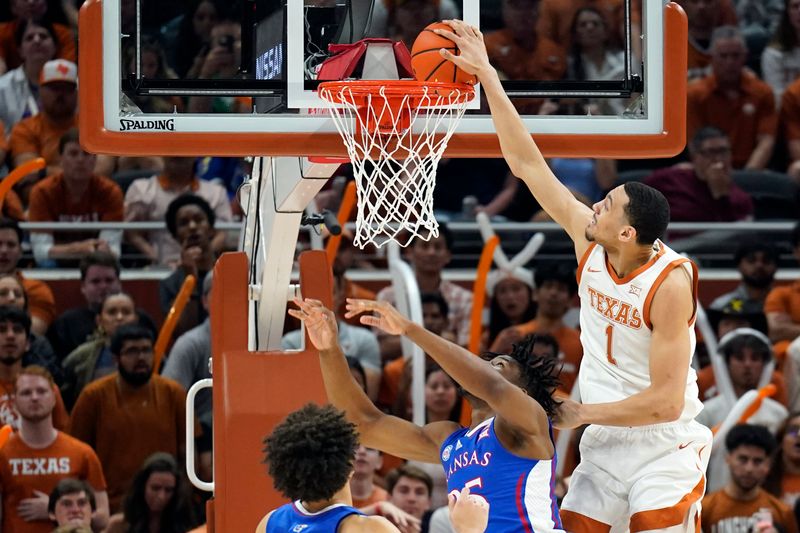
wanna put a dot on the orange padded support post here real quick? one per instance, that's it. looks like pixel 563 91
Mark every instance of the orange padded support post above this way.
pixel 254 391
pixel 345 208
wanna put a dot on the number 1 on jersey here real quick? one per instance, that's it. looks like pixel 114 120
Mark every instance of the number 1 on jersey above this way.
pixel 609 344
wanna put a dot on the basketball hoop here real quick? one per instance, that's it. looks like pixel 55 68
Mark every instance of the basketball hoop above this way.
pixel 395 132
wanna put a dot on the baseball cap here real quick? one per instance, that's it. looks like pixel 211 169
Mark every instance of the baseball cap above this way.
pixel 58 70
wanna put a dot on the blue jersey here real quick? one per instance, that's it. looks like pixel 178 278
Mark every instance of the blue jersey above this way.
pixel 520 491
pixel 293 518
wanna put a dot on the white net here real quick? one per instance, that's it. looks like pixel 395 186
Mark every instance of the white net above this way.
pixel 395 136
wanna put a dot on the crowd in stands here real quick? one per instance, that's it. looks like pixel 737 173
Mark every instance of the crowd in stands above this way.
pixel 98 442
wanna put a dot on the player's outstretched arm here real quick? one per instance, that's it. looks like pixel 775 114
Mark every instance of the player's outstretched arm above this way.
pixel 663 400
pixel 376 429
pixel 512 404
pixel 519 150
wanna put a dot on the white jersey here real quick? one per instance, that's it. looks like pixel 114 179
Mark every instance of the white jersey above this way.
pixel 615 326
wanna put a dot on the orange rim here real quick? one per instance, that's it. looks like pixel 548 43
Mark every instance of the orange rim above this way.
pixel 361 91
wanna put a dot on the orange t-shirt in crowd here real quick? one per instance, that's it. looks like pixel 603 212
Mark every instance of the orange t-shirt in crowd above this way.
pixel 12 207
pixel 378 495
pixel 790 111
pixel 723 513
pixel 743 119
pixel 8 409
pixel 784 299
pixel 570 350
pixel 699 58
pixel 111 416
pixel 41 302
pixel 390 381
pixel 8 44
pixel 707 385
pixel 24 469
pixel 790 489
pixel 102 202
pixel 547 62
pixel 39 135
pixel 3 140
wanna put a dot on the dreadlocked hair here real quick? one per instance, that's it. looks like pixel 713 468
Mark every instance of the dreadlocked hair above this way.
pixel 538 375
pixel 310 454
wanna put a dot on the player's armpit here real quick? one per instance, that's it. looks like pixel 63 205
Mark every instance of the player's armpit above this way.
pixel 404 439
pixel 521 424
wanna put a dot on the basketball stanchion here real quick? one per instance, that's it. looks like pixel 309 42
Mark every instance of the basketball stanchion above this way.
pixel 395 132
pixel 175 312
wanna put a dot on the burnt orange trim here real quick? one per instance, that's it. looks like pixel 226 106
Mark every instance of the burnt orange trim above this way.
pixel 656 284
pixel 582 262
pixel 627 279
pixel 668 516
pixel 95 138
pixel 578 523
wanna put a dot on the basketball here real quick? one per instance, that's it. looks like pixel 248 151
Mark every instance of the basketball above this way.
pixel 429 65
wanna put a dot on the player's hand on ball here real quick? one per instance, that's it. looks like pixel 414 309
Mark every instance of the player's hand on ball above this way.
pixel 320 323
pixel 469 513
pixel 384 317
pixel 472 56
pixel 568 415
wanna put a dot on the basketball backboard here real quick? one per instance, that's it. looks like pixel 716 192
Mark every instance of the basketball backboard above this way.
pixel 260 105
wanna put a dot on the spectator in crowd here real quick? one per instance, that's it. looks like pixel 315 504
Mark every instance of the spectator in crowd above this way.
pixel 759 21
pixel 147 199
pixel 40 299
pixel 366 493
pixel 555 289
pixel 99 278
pixel 39 351
pixel 19 88
pixel 556 17
pixel 591 57
pixel 783 480
pixel 75 195
pixel 39 135
pixel 780 61
pixel 193 37
pixel 756 261
pixel 72 503
pixel 15 326
pixel 356 341
pixel 737 506
pixel 782 305
pixel 190 221
pixel 22 10
pixel 488 181
pixel 407 18
pixel 132 410
pixel 410 489
pixel 790 126
pixel 222 61
pixel 428 259
pixel 734 100
pixel 93 359
pixel 153 67
pixel 36 458
pixel 511 300
pixel 434 319
pixel 158 500
pixel 442 397
pixel 188 362
pixel 746 352
pixel 705 16
pixel 704 192
pixel 519 52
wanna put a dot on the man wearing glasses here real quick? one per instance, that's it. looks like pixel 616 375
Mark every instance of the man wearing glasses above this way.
pixel 130 414
pixel 704 191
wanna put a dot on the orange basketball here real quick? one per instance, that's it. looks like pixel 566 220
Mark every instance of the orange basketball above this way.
pixel 429 65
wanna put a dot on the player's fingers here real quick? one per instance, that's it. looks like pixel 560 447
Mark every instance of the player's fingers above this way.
pixel 465 492
pixel 297 314
pixel 369 320
pixel 447 34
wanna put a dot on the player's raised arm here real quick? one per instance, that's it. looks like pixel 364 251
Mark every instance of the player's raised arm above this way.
pixel 519 150
pixel 663 401
pixel 377 430
pixel 478 377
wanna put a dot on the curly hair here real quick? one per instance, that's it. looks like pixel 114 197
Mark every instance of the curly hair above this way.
pixel 310 454
pixel 538 375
